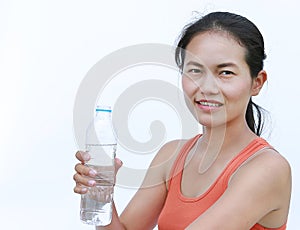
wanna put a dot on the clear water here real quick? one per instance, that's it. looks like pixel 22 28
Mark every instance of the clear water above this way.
pixel 102 154
pixel 96 204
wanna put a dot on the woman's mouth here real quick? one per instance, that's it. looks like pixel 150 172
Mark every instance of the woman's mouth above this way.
pixel 208 104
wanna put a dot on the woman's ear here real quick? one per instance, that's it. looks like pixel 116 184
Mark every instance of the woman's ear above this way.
pixel 258 82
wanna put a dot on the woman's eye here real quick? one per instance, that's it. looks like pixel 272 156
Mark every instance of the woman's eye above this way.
pixel 226 73
pixel 194 71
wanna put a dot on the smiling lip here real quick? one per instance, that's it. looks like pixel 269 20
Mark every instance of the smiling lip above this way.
pixel 208 105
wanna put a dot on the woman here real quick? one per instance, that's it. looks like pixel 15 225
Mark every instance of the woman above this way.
pixel 227 177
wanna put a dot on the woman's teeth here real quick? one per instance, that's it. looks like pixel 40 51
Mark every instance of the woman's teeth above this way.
pixel 205 103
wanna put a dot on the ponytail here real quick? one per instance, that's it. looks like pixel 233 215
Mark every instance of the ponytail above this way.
pixel 256 125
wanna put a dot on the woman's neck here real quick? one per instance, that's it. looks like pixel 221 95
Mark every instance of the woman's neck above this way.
pixel 223 140
pixel 227 135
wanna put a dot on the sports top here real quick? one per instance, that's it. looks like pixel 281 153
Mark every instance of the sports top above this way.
pixel 180 211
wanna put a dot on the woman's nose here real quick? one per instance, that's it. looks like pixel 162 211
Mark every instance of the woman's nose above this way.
pixel 207 85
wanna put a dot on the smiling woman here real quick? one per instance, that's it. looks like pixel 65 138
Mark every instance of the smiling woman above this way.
pixel 217 77
pixel 252 52
pixel 227 177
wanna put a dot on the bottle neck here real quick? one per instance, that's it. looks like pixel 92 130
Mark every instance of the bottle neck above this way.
pixel 103 115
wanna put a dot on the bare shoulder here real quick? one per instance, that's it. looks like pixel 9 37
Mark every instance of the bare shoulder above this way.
pixel 271 163
pixel 267 167
pixel 169 151
pixel 163 161
pixel 267 177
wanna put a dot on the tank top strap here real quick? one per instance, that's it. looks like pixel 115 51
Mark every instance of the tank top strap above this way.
pixel 249 151
pixel 179 162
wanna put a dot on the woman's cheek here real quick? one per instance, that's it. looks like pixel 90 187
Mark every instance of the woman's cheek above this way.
pixel 189 86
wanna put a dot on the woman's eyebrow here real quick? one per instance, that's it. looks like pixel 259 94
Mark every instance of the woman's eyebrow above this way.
pixel 195 64
pixel 227 64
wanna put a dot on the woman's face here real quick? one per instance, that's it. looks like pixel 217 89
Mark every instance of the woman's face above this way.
pixel 216 79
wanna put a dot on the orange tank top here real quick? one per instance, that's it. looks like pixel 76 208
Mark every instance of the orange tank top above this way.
pixel 179 211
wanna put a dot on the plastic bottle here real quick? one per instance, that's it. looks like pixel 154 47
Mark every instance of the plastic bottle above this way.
pixel 96 204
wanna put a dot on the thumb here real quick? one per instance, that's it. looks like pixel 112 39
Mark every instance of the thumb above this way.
pixel 118 164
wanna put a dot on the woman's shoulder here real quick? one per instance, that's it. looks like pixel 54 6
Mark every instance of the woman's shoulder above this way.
pixel 271 159
pixel 166 157
pixel 169 151
pixel 266 162
pixel 267 173
pixel 268 158
pixel 270 174
pixel 172 148
pixel 162 163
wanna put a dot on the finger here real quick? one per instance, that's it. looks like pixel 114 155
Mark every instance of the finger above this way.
pixel 85 170
pixel 118 164
pixel 82 180
pixel 80 189
pixel 83 156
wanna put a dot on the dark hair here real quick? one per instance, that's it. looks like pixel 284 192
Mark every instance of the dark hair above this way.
pixel 248 36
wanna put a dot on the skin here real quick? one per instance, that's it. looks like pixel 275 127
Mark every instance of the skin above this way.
pixel 259 192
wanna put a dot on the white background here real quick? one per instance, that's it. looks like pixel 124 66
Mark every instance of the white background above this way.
pixel 47 47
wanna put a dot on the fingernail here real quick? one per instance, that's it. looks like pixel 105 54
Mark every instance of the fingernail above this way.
pixel 91 182
pixel 83 189
pixel 85 156
pixel 119 161
pixel 92 172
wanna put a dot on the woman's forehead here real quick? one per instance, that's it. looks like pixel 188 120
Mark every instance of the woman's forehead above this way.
pixel 217 46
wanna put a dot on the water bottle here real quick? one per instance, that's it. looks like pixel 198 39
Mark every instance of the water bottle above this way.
pixel 96 204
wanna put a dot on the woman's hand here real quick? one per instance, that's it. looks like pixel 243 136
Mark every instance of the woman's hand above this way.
pixel 84 176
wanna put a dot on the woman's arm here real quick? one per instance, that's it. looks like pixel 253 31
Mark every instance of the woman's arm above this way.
pixel 143 210
pixel 259 191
